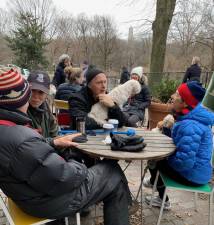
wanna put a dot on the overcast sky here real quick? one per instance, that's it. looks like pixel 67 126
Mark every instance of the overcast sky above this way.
pixel 122 11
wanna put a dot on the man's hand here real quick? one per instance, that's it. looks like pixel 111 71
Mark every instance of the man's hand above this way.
pixel 160 124
pixel 66 140
pixel 106 100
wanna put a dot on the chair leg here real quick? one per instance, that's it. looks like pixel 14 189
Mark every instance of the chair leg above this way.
pixel 78 218
pixel 195 201
pixel 210 208
pixel 95 215
pixel 162 206
pixel 5 210
pixel 66 221
pixel 154 187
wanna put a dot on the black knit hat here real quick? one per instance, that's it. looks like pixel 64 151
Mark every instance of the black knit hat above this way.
pixel 91 74
pixel 14 89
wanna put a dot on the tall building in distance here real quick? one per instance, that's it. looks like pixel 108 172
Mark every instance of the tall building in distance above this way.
pixel 130 49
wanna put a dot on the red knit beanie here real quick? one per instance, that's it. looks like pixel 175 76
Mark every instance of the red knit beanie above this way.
pixel 191 92
pixel 14 89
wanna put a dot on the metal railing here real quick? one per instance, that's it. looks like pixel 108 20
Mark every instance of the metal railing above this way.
pixel 157 77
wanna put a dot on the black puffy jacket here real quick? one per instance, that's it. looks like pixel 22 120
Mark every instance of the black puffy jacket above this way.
pixel 80 104
pixel 59 75
pixel 192 73
pixel 138 103
pixel 65 90
pixel 125 76
pixel 32 174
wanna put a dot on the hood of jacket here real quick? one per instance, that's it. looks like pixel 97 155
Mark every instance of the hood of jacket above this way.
pixel 200 114
pixel 69 87
pixel 15 116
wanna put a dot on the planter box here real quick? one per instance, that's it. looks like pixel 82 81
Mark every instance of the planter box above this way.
pixel 157 111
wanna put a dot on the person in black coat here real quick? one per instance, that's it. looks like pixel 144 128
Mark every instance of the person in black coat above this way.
pixel 59 75
pixel 75 80
pixel 134 110
pixel 80 103
pixel 125 76
pixel 193 72
pixel 38 179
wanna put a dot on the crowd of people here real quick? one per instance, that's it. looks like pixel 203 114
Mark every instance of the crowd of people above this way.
pixel 36 176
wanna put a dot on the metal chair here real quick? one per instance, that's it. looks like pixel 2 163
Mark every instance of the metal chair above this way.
pixel 172 184
pixel 60 104
pixel 63 118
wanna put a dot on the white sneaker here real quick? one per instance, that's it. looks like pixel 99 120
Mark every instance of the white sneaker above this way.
pixel 147 183
pixel 157 202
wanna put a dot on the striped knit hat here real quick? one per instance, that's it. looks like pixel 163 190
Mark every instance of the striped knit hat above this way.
pixel 14 89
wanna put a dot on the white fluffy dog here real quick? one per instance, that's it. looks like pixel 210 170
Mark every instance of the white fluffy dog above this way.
pixel 119 95
pixel 168 122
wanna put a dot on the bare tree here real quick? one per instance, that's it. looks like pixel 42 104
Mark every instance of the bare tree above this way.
pixel 4 21
pixel 192 29
pixel 64 31
pixel 187 24
pixel 63 38
pixel 206 36
pixel 105 33
pixel 83 33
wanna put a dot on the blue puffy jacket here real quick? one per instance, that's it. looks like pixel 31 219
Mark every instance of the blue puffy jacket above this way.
pixel 192 136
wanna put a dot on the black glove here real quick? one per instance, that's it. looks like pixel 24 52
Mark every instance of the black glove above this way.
pixel 80 139
pixel 71 153
pixel 128 144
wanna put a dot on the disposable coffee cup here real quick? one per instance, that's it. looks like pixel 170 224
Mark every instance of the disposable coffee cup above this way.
pixel 108 128
pixel 114 122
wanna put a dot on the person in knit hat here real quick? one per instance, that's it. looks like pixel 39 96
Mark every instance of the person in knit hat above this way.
pixel 192 93
pixel 38 179
pixel 134 109
pixel 137 74
pixel 190 164
pixel 80 103
pixel 14 90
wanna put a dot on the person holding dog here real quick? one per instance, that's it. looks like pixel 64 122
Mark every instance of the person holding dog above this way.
pixel 80 103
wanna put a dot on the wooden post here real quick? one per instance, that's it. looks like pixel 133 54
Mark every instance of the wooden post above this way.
pixel 208 100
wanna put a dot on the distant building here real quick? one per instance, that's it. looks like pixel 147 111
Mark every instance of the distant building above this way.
pixel 130 51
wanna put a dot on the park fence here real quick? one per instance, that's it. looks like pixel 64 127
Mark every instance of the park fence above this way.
pixel 156 78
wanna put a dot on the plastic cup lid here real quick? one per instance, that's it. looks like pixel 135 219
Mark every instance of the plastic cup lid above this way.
pixel 108 126
pixel 113 121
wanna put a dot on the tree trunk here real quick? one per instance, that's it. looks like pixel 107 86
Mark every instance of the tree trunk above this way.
pixel 160 27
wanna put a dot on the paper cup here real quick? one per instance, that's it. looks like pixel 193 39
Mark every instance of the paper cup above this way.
pixel 108 128
pixel 114 122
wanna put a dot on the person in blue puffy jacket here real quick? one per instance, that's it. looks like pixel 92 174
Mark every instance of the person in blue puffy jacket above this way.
pixel 191 162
